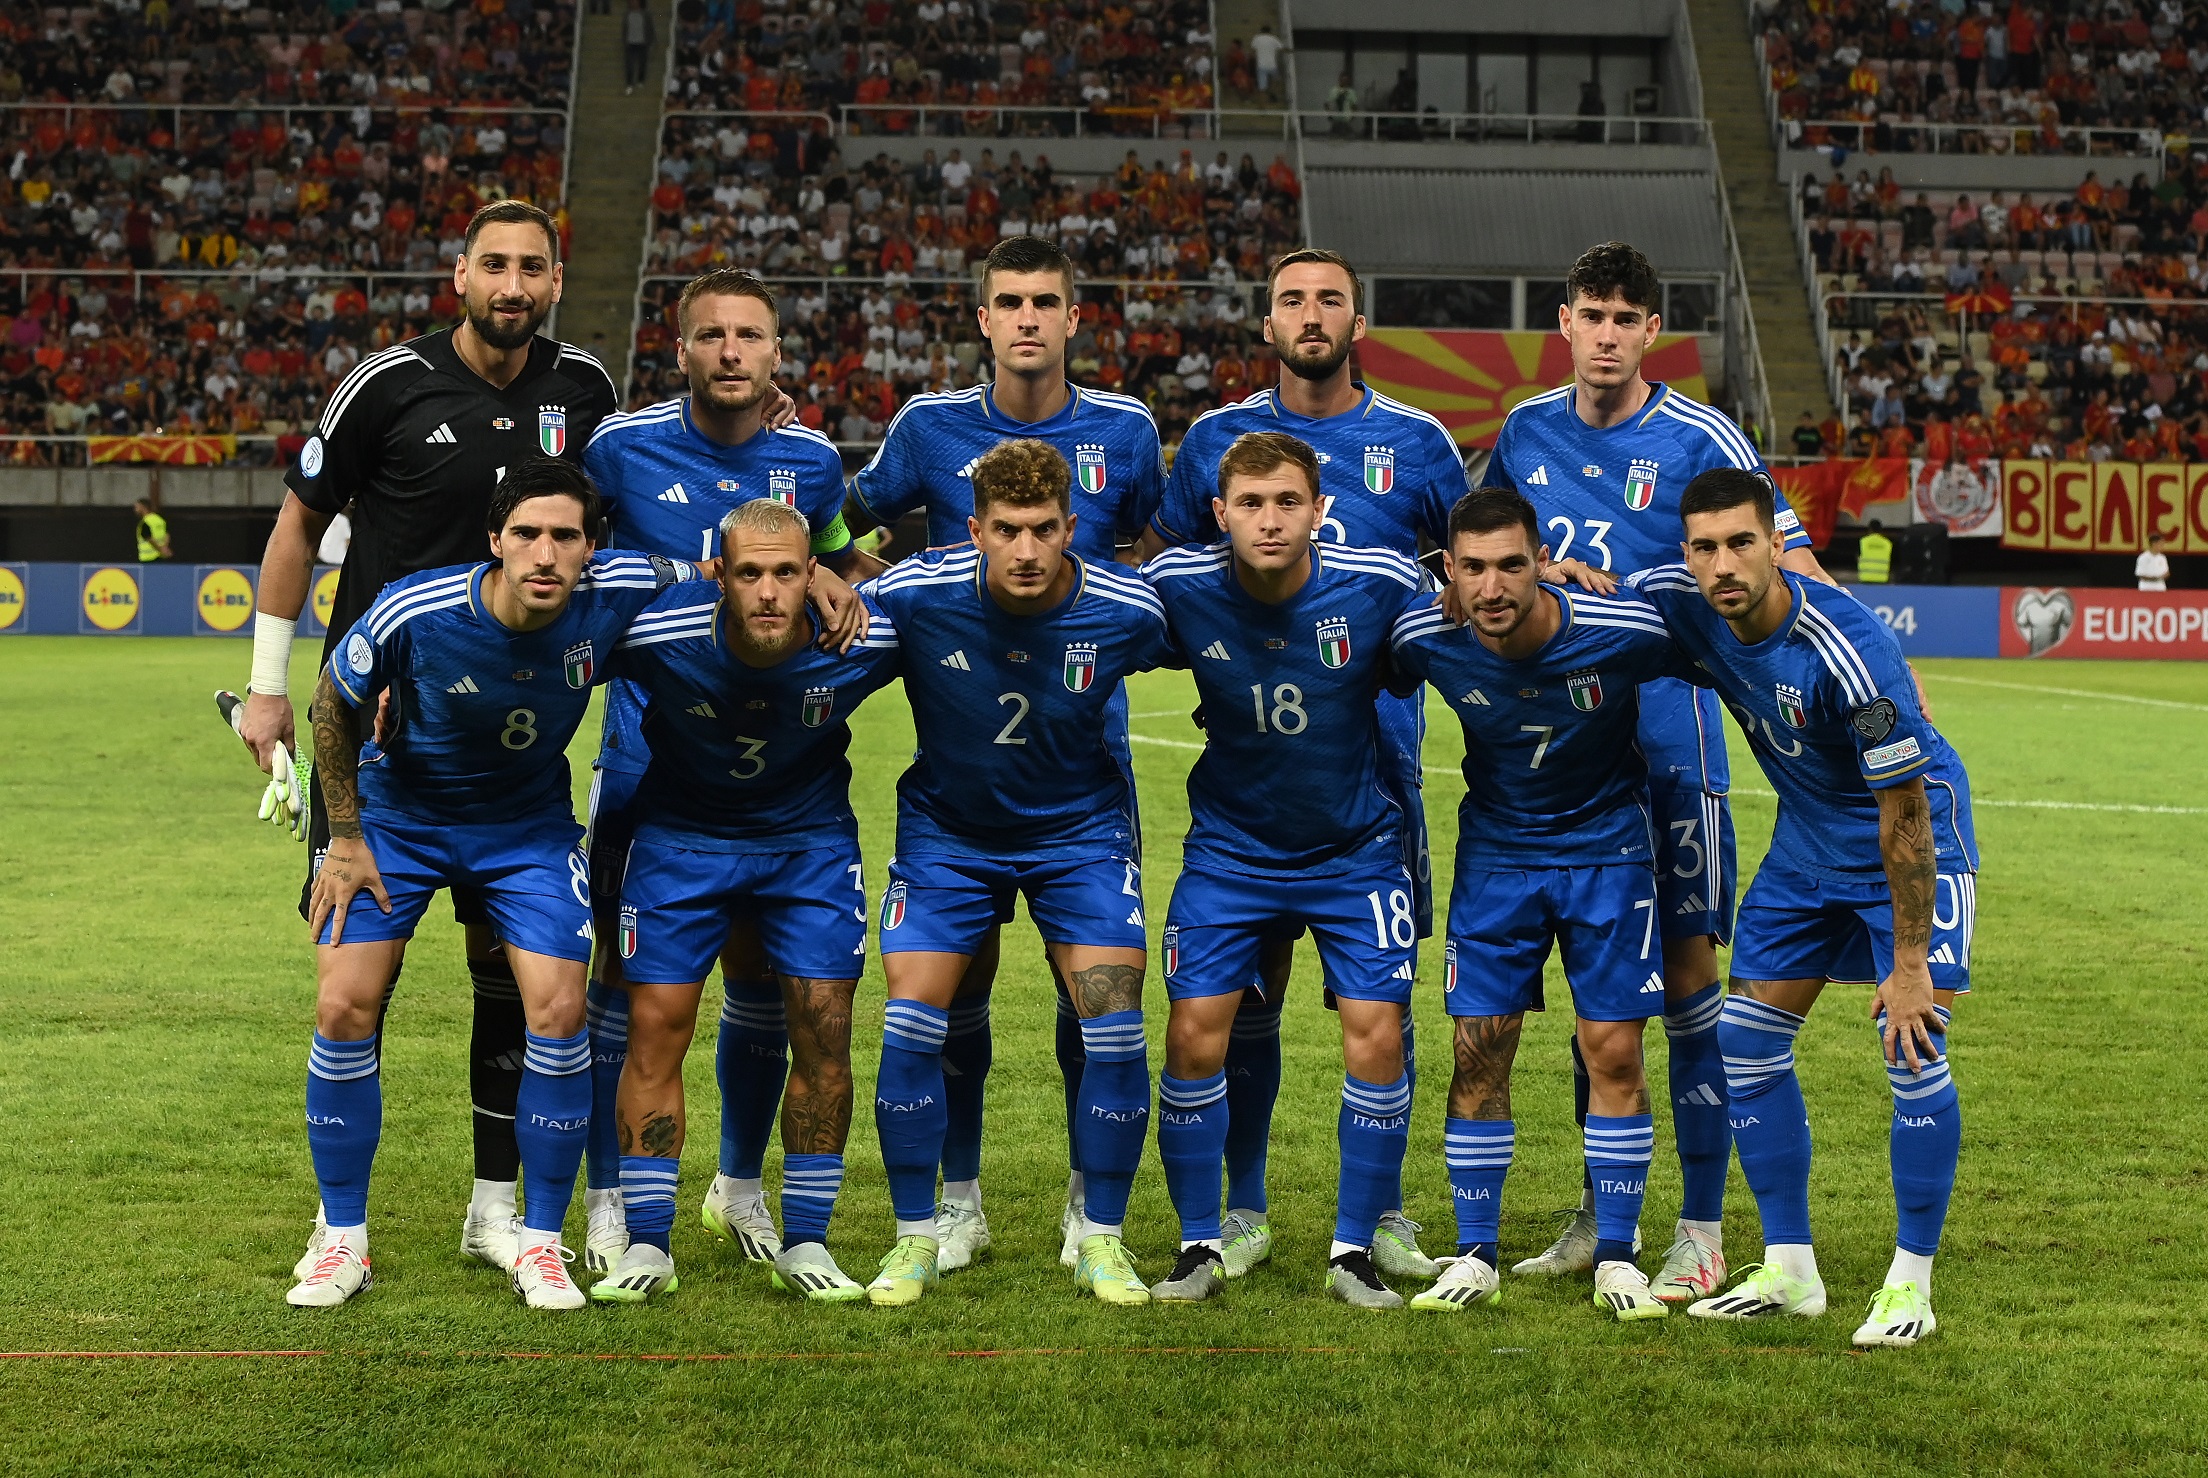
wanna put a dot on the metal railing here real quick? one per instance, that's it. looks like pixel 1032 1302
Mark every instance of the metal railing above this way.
pixel 1746 383
pixel 108 276
pixel 1112 120
pixel 990 120
pixel 2019 140
pixel 176 111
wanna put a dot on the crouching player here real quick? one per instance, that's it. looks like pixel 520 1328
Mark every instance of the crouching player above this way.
pixel 1292 826
pixel 743 817
pixel 1012 650
pixel 1871 877
pixel 1553 848
pixel 488 669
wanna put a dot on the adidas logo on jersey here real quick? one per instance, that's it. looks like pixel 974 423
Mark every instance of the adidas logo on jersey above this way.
pixel 702 710
pixel 1944 955
pixel 1693 904
pixel 1540 478
pixel 1404 972
pixel 674 494
pixel 465 685
pixel 958 660
pixel 967 471
pixel 1217 652
pixel 1654 985
pixel 1475 699
pixel 442 436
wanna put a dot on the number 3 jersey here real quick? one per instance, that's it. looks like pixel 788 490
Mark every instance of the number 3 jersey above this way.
pixel 1831 711
pixel 481 714
pixel 743 758
pixel 1011 710
pixel 1553 773
pixel 1290 777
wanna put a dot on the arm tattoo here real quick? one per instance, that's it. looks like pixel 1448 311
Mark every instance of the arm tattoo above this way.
pixel 1486 1046
pixel 1905 846
pixel 1103 989
pixel 816 1106
pixel 337 756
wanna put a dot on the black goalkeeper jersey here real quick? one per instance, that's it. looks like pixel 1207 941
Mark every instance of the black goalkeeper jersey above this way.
pixel 416 441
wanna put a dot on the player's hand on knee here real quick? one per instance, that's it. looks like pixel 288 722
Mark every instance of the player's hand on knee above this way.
pixel 1579 572
pixel 842 614
pixel 266 723
pixel 349 868
pixel 1910 1021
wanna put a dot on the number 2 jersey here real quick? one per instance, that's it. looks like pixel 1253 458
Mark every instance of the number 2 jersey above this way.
pixel 481 714
pixel 1011 711
pixel 666 487
pixel 1831 711
pixel 1290 780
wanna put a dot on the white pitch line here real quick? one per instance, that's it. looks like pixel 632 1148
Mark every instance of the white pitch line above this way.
pixel 1767 795
pixel 1987 682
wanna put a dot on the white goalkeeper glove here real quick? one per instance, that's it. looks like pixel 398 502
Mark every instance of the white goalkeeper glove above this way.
pixel 284 802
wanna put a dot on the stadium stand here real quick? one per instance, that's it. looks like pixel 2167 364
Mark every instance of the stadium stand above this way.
pixel 251 203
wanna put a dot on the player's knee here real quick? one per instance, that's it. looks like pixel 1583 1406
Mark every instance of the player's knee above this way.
pixel 1612 1052
pixel 1194 1047
pixel 661 1022
pixel 1372 1040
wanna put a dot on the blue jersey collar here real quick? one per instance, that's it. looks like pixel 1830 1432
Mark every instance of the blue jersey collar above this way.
pixel 1658 392
pixel 1361 409
pixel 1001 422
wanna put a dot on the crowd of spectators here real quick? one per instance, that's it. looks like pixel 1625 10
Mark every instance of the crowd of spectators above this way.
pixel 2073 326
pixel 315 53
pixel 1135 66
pixel 853 352
pixel 1996 76
pixel 785 204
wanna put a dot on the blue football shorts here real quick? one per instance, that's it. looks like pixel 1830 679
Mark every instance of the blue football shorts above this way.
pixel 1797 927
pixel 530 874
pixel 678 904
pixel 1362 921
pixel 1682 733
pixel 1502 924
pixel 1403 773
pixel 946 904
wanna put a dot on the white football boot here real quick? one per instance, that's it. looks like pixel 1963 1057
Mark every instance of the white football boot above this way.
pixel 639 1272
pixel 541 1277
pixel 338 1273
pixel 1764 1291
pixel 606 1235
pixel 961 1235
pixel 747 1223
pixel 1901 1314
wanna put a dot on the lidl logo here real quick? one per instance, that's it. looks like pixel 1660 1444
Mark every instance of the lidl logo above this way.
pixel 14 598
pixel 225 599
pixel 111 598
pixel 325 596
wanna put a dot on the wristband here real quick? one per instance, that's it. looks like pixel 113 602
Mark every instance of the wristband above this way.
pixel 271 655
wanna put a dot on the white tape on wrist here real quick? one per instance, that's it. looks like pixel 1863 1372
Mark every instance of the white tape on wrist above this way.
pixel 272 654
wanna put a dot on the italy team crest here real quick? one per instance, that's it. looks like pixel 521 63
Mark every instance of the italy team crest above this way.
pixel 552 430
pixel 782 485
pixel 1640 485
pixel 1379 470
pixel 1448 967
pixel 893 906
pixel 1334 641
pixel 628 933
pixel 1790 706
pixel 1080 668
pixel 1586 690
pixel 1088 467
pixel 579 664
pixel 819 703
pixel 1172 949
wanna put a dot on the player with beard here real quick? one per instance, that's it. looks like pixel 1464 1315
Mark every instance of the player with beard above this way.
pixel 1389 474
pixel 416 438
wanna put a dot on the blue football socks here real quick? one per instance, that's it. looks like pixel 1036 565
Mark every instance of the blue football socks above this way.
pixel 1478 1152
pixel 1114 1113
pixel 1073 1060
pixel 750 1062
pixel 810 1184
pixel 1194 1116
pixel 1373 1130
pixel 1923 1145
pixel 1253 1087
pixel 909 1116
pixel 1698 1102
pixel 344 1122
pixel 967 1053
pixel 551 1122
pixel 1618 1150
pixel 607 1012
pixel 648 1191
pixel 1770 1124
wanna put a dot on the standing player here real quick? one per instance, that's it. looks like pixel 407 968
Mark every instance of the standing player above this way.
pixel 1012 650
pixel 1871 876
pixel 1389 474
pixel 416 438
pixel 927 458
pixel 1553 849
pixel 743 816
pixel 1287 639
pixel 670 475
pixel 488 670
pixel 1603 460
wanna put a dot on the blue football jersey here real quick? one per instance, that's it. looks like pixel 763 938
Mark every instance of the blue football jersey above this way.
pixel 480 714
pixel 1011 711
pixel 1389 472
pixel 927 457
pixel 1290 779
pixel 1611 497
pixel 744 759
pixel 666 487
pixel 1831 711
pixel 1553 773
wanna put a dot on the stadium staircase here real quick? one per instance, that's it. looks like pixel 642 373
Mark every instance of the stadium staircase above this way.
pixel 616 139
pixel 1239 20
pixel 1732 99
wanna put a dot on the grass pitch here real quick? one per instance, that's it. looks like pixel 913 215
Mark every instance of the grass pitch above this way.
pixel 155 1187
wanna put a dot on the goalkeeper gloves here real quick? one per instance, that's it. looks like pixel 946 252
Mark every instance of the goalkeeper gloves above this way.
pixel 284 802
